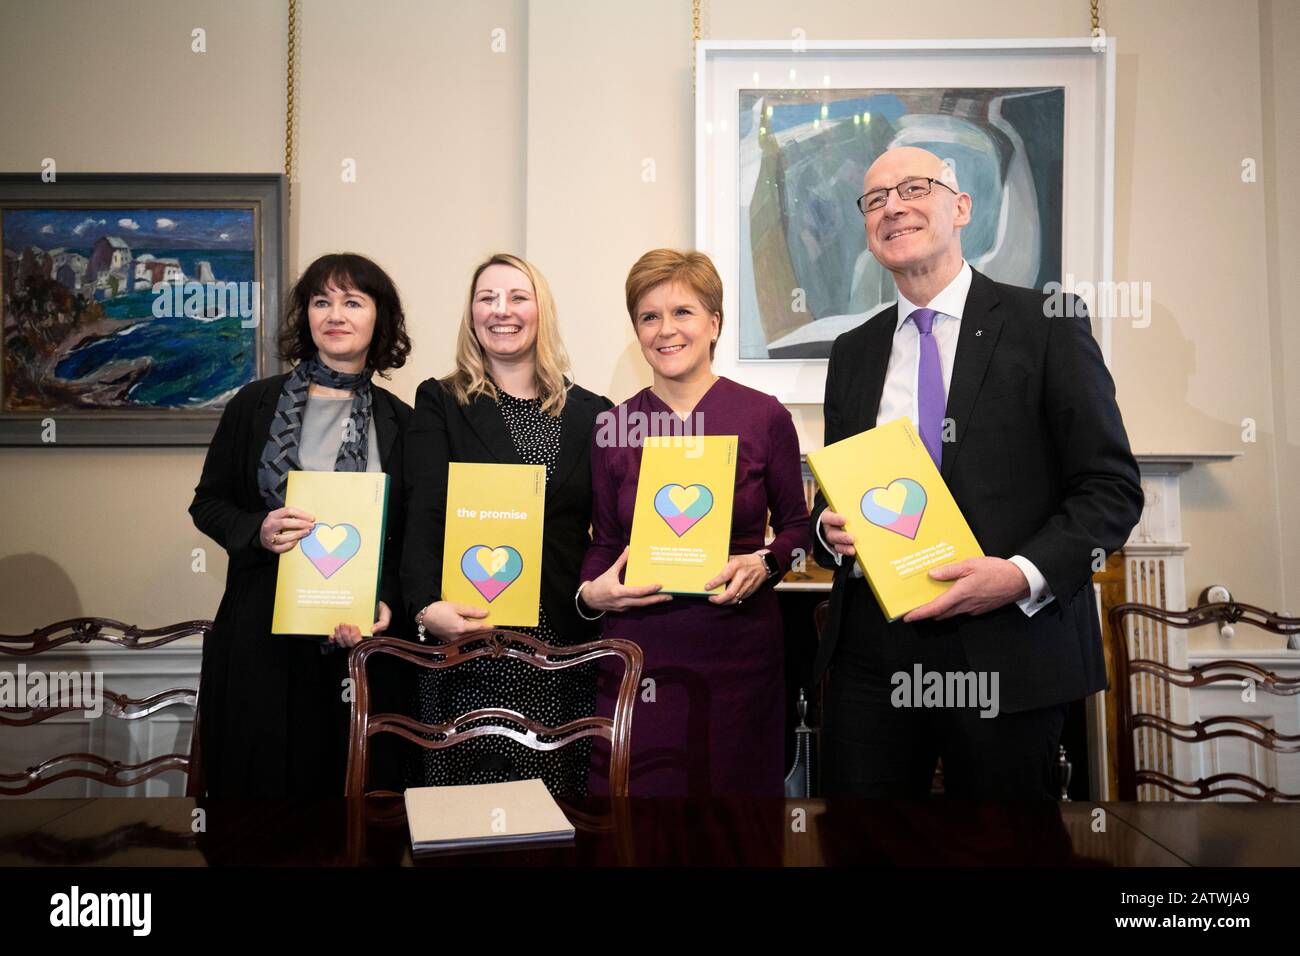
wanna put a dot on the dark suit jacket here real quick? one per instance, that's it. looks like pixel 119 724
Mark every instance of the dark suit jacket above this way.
pixel 1040 466
pixel 267 729
pixel 442 431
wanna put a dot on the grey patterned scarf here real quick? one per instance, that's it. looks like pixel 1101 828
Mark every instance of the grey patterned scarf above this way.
pixel 280 456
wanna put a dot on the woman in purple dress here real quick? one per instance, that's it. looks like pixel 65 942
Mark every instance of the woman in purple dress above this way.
pixel 712 719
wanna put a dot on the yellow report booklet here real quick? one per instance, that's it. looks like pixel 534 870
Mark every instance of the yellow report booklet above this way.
pixel 903 519
pixel 492 550
pixel 681 524
pixel 332 576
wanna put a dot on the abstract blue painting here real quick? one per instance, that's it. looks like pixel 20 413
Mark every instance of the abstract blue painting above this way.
pixel 805 272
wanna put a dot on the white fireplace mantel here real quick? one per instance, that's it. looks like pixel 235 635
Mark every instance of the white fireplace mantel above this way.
pixel 1160 529
pixel 1178 462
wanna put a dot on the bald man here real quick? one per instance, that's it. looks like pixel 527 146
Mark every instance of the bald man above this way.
pixel 1018 411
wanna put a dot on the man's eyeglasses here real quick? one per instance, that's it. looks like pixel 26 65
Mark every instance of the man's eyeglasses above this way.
pixel 914 187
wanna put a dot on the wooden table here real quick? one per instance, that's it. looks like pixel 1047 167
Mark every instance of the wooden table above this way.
pixel 1220 834
pixel 657 832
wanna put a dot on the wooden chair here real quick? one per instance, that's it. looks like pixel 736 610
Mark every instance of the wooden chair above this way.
pixel 1199 675
pixel 97 767
pixel 819 617
pixel 498 643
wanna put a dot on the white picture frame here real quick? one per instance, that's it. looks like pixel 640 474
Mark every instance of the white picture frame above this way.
pixel 1083 67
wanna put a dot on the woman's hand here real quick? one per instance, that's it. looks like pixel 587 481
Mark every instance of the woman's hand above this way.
pixel 449 620
pixel 349 635
pixel 743 574
pixel 283 528
pixel 607 593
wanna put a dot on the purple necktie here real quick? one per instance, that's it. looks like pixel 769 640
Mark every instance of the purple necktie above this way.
pixel 930 399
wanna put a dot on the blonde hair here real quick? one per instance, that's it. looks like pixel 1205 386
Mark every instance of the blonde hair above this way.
pixel 552 361
pixel 693 269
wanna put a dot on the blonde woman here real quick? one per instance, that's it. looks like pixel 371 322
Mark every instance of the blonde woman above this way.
pixel 508 401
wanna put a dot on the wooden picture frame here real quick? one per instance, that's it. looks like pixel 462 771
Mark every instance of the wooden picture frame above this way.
pixel 135 305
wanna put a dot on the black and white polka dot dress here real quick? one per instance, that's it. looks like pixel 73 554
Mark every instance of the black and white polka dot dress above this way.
pixel 549 697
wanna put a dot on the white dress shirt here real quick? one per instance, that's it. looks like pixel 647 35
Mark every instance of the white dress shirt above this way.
pixel 898 397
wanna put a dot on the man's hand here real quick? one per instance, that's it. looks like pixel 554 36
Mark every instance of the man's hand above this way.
pixel 981 585
pixel 835 535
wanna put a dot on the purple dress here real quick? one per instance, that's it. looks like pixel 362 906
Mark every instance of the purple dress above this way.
pixel 715 724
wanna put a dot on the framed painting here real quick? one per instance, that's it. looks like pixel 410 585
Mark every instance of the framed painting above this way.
pixel 785 133
pixel 135 305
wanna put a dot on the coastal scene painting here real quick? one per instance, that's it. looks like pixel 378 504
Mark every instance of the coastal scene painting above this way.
pixel 128 308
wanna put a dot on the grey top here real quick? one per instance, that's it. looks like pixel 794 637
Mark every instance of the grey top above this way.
pixel 323 421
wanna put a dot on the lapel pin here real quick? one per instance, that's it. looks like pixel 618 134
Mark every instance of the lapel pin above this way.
pixel 979 332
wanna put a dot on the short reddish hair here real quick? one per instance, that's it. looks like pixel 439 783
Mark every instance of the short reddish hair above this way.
pixel 692 269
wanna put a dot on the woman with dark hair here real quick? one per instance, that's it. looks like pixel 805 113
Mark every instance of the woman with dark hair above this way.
pixel 274 712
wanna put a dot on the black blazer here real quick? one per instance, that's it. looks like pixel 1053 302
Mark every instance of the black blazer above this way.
pixel 228 505
pixel 268 728
pixel 1040 466
pixel 442 431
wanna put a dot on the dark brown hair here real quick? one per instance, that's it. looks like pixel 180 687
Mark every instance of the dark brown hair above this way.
pixel 389 344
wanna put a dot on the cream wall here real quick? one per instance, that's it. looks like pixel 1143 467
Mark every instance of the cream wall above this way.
pixel 461 150
pixel 1187 223
pixel 1279 30
pixel 1218 341
pixel 439 184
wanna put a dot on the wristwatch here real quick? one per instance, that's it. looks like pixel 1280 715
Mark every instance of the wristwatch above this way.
pixel 769 562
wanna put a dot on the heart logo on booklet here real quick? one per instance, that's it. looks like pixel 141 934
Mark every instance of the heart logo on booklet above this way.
pixel 683 507
pixel 491 570
pixel 896 507
pixel 329 547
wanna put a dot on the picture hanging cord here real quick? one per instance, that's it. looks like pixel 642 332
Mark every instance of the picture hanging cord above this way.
pixel 290 117
pixel 695 37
